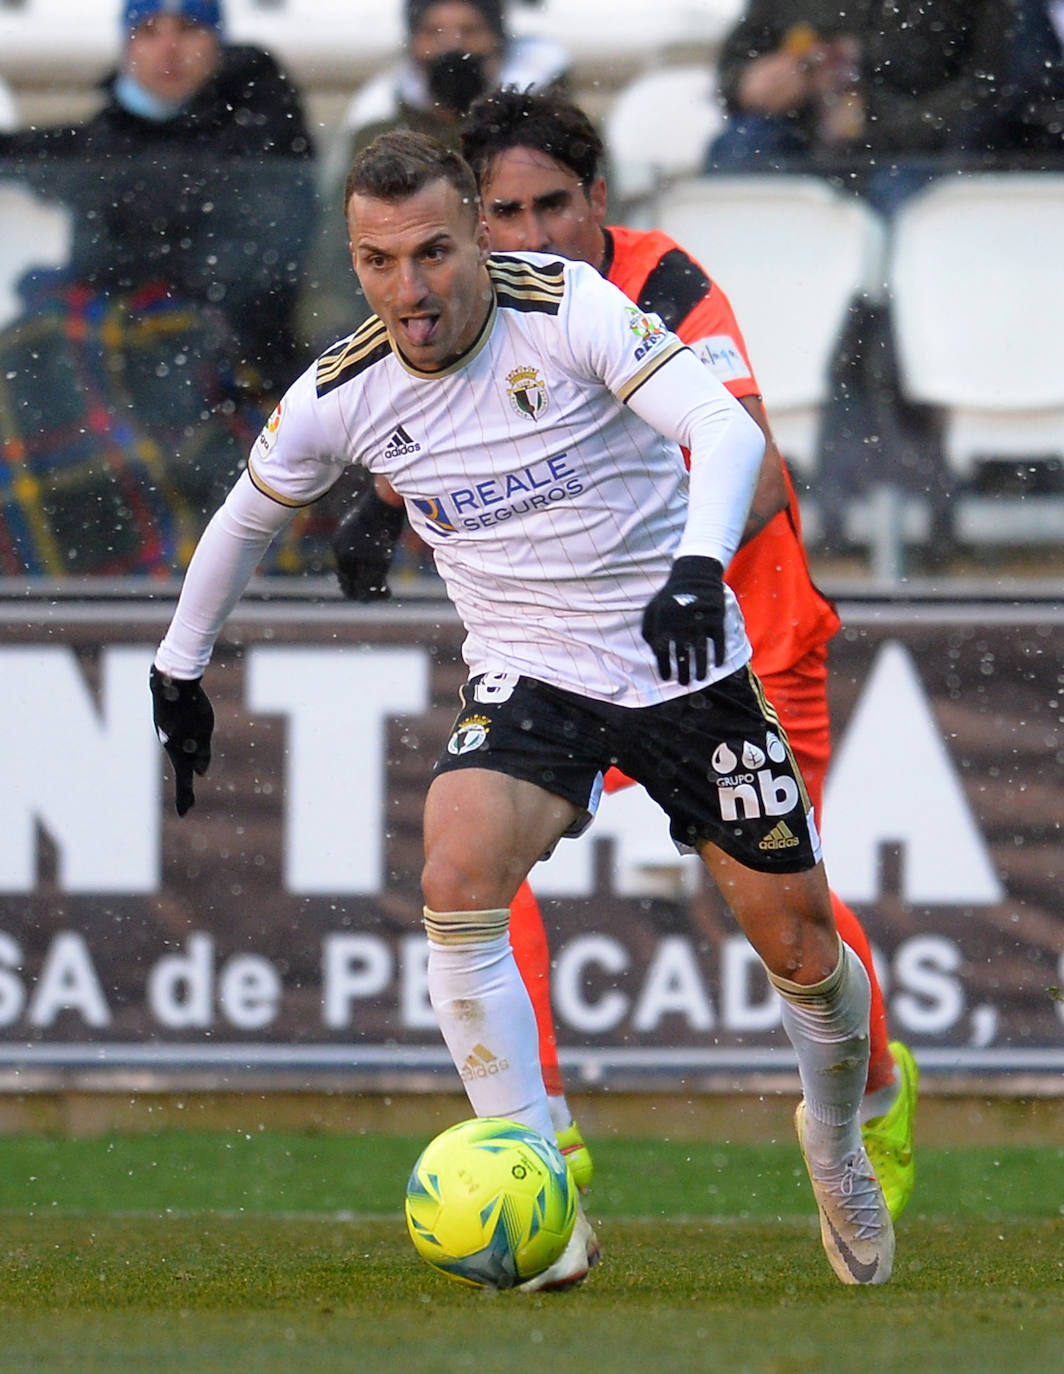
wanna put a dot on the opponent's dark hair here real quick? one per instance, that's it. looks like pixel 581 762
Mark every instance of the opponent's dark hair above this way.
pixel 400 163
pixel 544 120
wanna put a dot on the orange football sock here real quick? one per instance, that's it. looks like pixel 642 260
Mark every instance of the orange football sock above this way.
pixel 529 941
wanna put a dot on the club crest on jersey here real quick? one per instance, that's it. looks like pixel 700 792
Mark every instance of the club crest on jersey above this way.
pixel 527 392
pixel 469 734
pixel 434 511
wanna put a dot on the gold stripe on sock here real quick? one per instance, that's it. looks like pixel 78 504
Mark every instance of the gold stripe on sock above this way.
pixel 809 992
pixel 466 927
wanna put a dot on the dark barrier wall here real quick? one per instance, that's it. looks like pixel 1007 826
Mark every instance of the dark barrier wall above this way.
pixel 276 928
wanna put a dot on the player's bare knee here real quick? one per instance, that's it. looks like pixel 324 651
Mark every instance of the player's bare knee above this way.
pixel 451 883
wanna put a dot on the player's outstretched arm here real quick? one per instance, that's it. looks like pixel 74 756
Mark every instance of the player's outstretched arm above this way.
pixel 228 553
pixel 364 543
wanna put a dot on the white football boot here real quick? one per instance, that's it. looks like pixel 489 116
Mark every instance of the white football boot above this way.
pixel 572 1265
pixel 855 1224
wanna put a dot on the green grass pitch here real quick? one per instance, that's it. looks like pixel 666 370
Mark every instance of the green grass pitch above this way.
pixel 226 1253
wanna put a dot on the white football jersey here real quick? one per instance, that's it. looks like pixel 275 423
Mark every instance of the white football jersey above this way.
pixel 554 512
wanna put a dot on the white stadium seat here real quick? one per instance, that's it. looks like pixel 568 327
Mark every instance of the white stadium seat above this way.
pixel 8 111
pixel 659 126
pixel 33 233
pixel 791 254
pixel 977 285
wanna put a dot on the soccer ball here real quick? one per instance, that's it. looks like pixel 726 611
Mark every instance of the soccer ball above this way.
pixel 490 1203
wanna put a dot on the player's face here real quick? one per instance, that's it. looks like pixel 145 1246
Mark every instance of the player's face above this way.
pixel 171 57
pixel 536 205
pixel 421 262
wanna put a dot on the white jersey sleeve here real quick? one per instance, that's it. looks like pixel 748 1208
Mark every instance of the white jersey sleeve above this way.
pixel 663 383
pixel 295 459
pixel 726 447
pixel 611 341
pixel 303 446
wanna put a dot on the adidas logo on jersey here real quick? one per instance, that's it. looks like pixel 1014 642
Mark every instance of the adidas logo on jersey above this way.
pixel 400 444
pixel 779 837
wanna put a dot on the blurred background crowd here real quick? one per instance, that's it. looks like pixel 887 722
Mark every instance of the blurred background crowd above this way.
pixel 878 186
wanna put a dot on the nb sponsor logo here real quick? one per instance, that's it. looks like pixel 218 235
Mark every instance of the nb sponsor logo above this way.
pixel 774 795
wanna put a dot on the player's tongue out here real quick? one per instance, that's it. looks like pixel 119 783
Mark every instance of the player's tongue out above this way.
pixel 419 328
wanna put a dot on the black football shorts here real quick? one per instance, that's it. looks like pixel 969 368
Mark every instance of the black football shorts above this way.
pixel 717 761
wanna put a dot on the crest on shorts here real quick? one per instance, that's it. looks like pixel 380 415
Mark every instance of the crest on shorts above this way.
pixel 469 734
pixel 527 392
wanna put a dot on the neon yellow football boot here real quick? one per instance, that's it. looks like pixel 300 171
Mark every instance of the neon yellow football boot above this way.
pixel 888 1139
pixel 571 1144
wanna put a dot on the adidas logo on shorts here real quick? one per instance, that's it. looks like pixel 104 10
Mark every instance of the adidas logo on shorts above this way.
pixel 780 837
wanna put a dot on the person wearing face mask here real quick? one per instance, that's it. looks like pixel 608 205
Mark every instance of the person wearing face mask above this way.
pixel 192 201
pixel 455 51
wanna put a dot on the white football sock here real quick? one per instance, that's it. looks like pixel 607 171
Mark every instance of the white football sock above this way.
pixel 486 1016
pixel 828 1026
pixel 559 1111
pixel 880 1102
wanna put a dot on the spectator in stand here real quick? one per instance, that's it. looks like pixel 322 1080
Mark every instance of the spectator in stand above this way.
pixel 161 343
pixel 455 51
pixel 885 94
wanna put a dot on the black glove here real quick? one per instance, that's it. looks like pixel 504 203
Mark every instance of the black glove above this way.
pixel 688 611
pixel 364 544
pixel 184 722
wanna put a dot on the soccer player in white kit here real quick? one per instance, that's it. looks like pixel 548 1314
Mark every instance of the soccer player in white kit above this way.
pixel 531 418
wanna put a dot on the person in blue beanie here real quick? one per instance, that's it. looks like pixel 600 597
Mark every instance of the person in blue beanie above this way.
pixel 136 375
pixel 167 180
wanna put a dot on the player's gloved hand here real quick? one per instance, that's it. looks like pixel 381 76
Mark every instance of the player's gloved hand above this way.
pixel 686 616
pixel 184 722
pixel 364 544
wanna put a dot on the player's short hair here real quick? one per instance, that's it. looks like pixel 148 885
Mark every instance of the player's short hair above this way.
pixel 544 120
pixel 400 163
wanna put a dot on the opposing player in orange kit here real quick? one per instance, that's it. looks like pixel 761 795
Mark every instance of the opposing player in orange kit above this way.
pixel 537 158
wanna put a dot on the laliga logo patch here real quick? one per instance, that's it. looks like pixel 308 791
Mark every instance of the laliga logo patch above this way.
pixel 527 392
pixel 268 436
pixel 469 734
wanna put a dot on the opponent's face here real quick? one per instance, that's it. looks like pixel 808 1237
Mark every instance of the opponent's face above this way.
pixel 535 204
pixel 171 57
pixel 421 262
